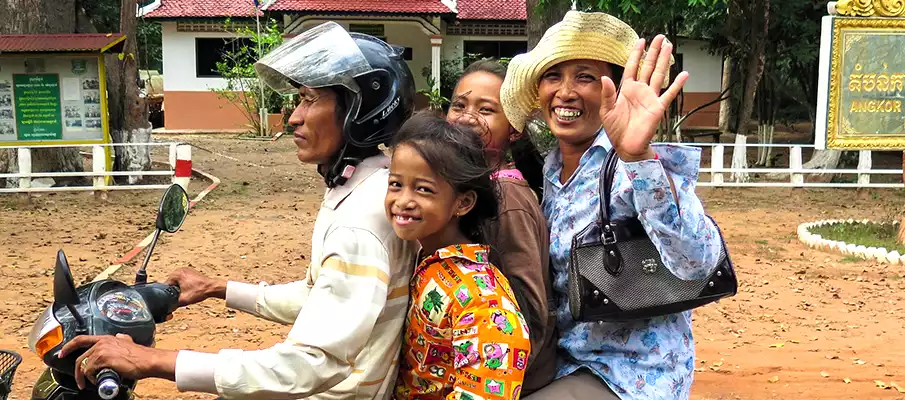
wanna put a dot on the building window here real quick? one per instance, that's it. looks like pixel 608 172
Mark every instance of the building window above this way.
pixel 210 51
pixel 376 30
pixel 496 49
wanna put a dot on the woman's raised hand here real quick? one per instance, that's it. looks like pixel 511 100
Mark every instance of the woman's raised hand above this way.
pixel 630 117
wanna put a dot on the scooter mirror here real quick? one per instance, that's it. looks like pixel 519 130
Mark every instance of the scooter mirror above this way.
pixel 174 206
pixel 63 287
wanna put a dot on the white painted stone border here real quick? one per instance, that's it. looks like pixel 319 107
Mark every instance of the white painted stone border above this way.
pixel 850 249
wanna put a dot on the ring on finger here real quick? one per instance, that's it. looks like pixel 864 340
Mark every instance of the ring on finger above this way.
pixel 84 364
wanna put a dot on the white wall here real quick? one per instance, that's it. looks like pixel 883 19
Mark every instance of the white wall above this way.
pixel 704 69
pixel 179 60
pixel 405 34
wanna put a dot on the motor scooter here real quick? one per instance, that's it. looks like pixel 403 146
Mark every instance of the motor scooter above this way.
pixel 105 307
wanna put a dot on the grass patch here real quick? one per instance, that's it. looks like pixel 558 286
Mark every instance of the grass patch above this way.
pixel 868 235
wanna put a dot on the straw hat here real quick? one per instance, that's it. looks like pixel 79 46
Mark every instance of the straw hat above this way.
pixel 579 36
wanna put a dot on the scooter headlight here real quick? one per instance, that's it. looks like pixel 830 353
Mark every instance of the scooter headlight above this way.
pixel 46 334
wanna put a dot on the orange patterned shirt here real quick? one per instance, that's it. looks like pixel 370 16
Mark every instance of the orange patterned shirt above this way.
pixel 465 337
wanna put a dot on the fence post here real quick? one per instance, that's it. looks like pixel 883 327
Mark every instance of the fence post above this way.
pixel 864 164
pixel 173 155
pixel 795 163
pixel 716 164
pixel 24 158
pixel 99 165
pixel 183 166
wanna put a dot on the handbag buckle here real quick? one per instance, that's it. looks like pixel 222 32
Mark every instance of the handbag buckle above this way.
pixel 608 236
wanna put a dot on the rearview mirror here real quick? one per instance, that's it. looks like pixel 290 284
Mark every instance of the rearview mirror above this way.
pixel 174 206
pixel 63 287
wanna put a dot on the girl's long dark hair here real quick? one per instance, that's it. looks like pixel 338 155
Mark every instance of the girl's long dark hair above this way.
pixel 525 155
pixel 455 154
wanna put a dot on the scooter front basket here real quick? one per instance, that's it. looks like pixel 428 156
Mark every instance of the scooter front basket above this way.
pixel 9 361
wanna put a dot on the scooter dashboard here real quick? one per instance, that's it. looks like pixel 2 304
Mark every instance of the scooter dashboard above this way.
pixel 123 306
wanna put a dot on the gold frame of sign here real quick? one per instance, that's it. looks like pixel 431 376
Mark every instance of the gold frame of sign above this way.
pixel 870 95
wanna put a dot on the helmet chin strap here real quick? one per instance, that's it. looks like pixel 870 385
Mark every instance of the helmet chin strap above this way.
pixel 338 171
pixel 340 168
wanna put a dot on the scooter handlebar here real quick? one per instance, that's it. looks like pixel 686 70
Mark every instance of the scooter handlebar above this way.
pixel 108 383
pixel 162 299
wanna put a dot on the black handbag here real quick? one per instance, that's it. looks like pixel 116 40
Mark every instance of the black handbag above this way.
pixel 616 273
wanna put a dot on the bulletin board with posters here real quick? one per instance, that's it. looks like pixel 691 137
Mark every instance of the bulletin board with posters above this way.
pixel 52 99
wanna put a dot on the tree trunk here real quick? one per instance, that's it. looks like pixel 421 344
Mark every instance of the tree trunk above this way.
pixel 34 17
pixel 824 159
pixel 542 18
pixel 128 111
pixel 724 105
pixel 740 159
pixel 754 67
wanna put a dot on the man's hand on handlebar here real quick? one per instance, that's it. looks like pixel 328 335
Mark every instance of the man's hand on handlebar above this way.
pixel 196 287
pixel 121 354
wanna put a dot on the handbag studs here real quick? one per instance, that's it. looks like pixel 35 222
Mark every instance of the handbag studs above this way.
pixel 649 266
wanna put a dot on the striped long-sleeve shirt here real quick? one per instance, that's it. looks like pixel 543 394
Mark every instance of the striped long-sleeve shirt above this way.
pixel 347 314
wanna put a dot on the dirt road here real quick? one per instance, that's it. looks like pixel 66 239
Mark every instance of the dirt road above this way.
pixel 804 323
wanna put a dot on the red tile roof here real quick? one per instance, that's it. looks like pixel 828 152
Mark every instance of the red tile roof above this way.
pixel 203 8
pixel 95 43
pixel 492 9
pixel 467 9
pixel 374 6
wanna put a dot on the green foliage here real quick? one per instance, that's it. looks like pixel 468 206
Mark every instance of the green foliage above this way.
pixel 104 14
pixel 435 100
pixel 150 47
pixel 243 88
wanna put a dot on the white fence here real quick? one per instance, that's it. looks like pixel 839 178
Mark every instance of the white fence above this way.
pixel 796 171
pixel 98 173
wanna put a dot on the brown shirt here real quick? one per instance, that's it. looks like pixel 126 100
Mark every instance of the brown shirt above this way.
pixel 521 240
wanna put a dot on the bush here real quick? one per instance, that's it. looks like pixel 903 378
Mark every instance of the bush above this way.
pixel 243 88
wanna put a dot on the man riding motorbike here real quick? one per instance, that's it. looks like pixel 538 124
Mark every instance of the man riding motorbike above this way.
pixel 348 312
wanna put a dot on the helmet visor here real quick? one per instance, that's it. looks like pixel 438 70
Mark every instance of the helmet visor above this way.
pixel 322 56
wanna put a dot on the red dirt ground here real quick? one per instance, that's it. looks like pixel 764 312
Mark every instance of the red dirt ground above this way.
pixel 804 323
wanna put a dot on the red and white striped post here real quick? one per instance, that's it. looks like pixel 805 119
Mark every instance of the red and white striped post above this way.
pixel 183 166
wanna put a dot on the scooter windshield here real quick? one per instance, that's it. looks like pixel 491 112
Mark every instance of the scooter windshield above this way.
pixel 322 56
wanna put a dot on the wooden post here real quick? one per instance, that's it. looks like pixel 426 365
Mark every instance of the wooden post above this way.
pixel 24 159
pixel 796 164
pixel 716 164
pixel 864 164
pixel 99 165
pixel 901 236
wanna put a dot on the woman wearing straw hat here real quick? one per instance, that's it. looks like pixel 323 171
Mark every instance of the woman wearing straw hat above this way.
pixel 569 77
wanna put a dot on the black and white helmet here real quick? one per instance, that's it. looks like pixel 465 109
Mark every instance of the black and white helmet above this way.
pixel 379 88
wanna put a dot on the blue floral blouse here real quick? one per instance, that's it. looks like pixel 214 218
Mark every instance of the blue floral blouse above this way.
pixel 649 359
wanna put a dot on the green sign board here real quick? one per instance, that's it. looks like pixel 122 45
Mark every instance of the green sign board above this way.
pixel 37 100
pixel 864 102
pixel 50 99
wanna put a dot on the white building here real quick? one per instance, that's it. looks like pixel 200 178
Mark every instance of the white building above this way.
pixel 430 30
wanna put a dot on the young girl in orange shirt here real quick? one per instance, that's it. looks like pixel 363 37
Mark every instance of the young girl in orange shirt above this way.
pixel 465 337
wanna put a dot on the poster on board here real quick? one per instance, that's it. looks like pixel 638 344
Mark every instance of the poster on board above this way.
pixel 50 99
pixel 7 120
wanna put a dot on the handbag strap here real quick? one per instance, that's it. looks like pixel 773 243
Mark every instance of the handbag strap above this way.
pixel 612 258
pixel 607 176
